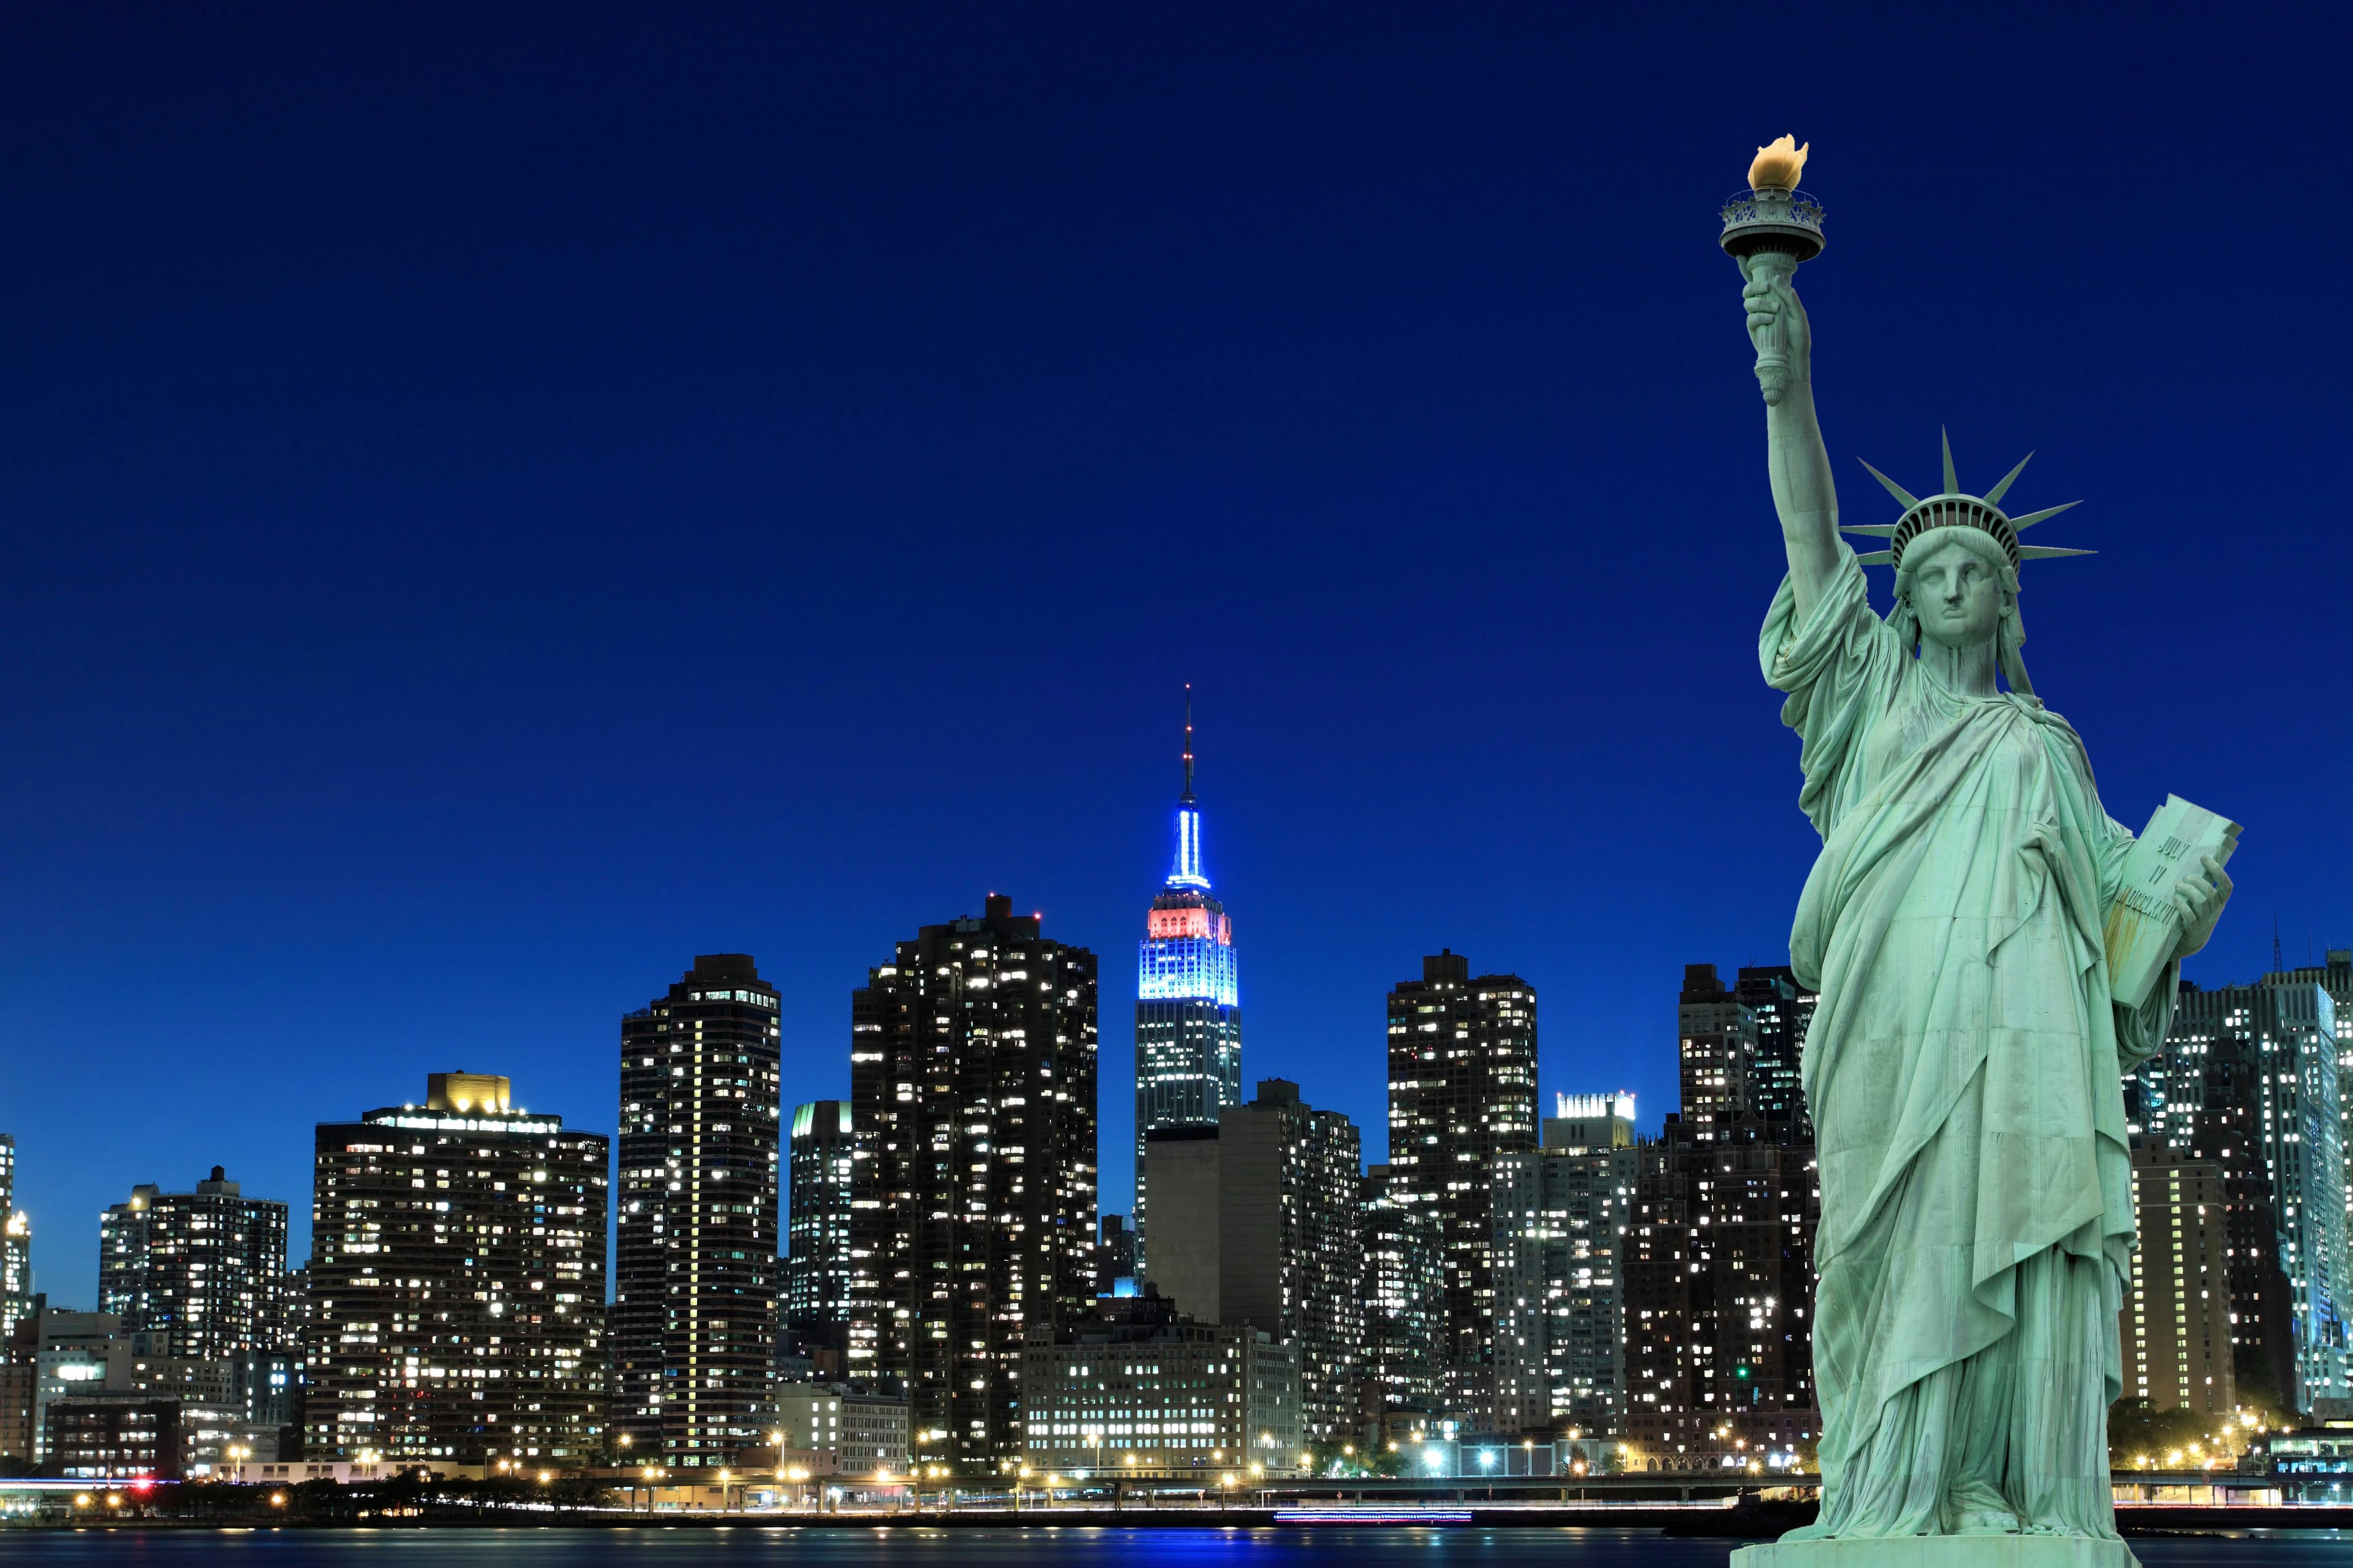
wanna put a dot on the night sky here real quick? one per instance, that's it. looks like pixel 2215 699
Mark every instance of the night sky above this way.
pixel 500 499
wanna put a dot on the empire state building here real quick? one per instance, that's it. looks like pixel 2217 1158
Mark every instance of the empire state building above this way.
pixel 1188 1020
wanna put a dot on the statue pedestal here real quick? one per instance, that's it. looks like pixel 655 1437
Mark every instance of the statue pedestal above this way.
pixel 1941 1552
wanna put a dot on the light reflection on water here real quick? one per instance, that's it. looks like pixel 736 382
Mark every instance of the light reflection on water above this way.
pixel 1079 1547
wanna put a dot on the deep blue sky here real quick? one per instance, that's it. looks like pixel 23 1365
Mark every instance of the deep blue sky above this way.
pixel 500 499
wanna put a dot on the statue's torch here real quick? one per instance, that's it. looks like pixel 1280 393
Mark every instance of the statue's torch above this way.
pixel 1770 229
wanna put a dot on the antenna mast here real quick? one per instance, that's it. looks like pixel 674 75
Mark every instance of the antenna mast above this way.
pixel 1187 796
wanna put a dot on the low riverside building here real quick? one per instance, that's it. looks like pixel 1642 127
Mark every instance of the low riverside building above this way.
pixel 1151 1396
pixel 853 1433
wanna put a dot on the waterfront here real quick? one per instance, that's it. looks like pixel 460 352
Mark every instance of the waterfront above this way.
pixel 1082 1547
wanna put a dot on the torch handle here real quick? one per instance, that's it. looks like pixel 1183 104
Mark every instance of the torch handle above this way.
pixel 1772 341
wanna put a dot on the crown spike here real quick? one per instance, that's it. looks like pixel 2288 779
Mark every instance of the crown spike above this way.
pixel 1884 530
pixel 1994 497
pixel 2032 517
pixel 1952 484
pixel 1876 558
pixel 1908 499
pixel 2048 553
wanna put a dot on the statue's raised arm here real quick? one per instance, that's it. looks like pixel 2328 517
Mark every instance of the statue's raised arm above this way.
pixel 1802 491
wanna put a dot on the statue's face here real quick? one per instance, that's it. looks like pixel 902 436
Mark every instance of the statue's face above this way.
pixel 1956 594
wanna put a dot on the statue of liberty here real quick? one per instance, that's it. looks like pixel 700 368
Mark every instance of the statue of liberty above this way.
pixel 1963 1064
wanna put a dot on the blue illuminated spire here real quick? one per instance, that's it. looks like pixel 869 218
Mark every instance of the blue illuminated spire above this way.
pixel 1187 872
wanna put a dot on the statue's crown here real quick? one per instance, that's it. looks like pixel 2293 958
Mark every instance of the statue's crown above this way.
pixel 1953 508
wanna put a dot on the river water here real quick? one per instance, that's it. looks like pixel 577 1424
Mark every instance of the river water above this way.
pixel 1346 1546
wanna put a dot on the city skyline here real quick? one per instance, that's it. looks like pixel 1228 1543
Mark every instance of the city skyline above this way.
pixel 367 384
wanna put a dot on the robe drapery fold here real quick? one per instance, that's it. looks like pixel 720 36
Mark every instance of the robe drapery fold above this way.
pixel 1963 1070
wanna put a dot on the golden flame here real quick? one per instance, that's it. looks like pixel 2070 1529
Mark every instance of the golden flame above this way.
pixel 1778 164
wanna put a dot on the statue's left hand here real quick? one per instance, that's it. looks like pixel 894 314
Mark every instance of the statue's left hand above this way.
pixel 2201 902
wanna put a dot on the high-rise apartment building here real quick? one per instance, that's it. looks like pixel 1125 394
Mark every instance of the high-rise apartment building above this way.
pixel 2334 976
pixel 1781 1011
pixel 15 1246
pixel 1716 1053
pixel 824 1157
pixel 457 1283
pixel 1560 1216
pixel 2175 1327
pixel 199 1274
pixel 972 1068
pixel 1261 1231
pixel 694 1304
pixel 2249 1078
pixel 1188 1020
pixel 1719 1298
pixel 1403 1289
pixel 1462 1090
pixel 1717 1260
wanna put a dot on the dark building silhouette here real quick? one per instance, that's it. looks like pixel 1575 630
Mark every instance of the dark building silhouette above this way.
pixel 457 1283
pixel 973 1066
pixel 1117 1258
pixel 694 1309
pixel 1463 1090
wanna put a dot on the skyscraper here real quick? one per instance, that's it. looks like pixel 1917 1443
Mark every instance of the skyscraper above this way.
pixel 1188 1020
pixel 1403 1291
pixel 694 1309
pixel 1782 1011
pixel 2175 1326
pixel 1716 1262
pixel 15 1246
pixel 1462 1090
pixel 971 1070
pixel 1561 1214
pixel 200 1274
pixel 1265 1234
pixel 2249 1078
pixel 1719 1298
pixel 817 1262
pixel 457 1283
pixel 1717 1052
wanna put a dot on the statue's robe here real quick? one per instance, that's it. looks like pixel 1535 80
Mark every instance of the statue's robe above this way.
pixel 1964 1071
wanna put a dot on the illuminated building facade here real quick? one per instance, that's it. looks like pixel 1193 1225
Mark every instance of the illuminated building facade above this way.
pixel 1716 1052
pixel 696 1277
pixel 1781 1011
pixel 15 1246
pixel 1188 1020
pixel 1719 1292
pixel 1560 1218
pixel 1462 1091
pixel 1403 1291
pixel 2175 1327
pixel 2249 1078
pixel 971 1071
pixel 823 1156
pixel 199 1274
pixel 1158 1397
pixel 457 1283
